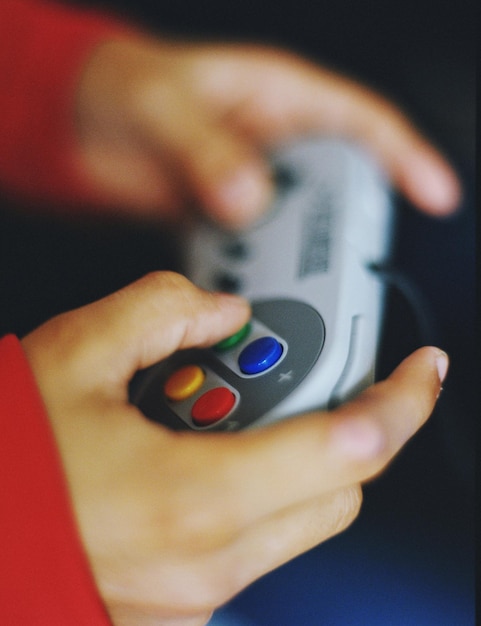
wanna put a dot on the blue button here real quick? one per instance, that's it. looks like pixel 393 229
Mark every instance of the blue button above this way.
pixel 260 355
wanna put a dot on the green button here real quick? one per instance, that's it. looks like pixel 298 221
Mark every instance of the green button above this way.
pixel 233 340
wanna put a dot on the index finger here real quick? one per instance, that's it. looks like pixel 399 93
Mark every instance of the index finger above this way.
pixel 275 95
pixel 109 340
pixel 415 166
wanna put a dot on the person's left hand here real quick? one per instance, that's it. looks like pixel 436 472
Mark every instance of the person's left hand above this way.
pixel 176 523
pixel 164 125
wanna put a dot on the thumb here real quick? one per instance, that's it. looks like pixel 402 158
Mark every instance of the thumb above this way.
pixel 106 342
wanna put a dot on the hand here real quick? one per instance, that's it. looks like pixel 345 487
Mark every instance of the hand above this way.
pixel 163 125
pixel 174 524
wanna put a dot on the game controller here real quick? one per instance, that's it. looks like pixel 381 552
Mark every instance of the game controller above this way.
pixel 317 303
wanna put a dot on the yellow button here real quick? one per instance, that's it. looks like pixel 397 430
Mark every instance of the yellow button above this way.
pixel 184 382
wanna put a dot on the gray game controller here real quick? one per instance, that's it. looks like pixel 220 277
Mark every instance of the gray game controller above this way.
pixel 317 304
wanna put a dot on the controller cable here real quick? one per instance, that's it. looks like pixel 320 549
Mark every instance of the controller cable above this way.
pixel 460 448
pixel 418 304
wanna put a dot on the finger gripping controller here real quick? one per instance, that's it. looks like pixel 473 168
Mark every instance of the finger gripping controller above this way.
pixel 317 305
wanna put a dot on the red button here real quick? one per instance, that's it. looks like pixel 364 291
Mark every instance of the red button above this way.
pixel 212 406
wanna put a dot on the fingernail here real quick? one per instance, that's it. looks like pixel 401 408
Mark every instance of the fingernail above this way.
pixel 232 304
pixel 439 186
pixel 246 194
pixel 442 363
pixel 358 439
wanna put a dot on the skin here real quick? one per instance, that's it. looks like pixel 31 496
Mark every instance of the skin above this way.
pixel 170 536
pixel 163 127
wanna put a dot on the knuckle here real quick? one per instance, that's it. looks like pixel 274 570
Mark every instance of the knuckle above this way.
pixel 165 280
pixel 171 290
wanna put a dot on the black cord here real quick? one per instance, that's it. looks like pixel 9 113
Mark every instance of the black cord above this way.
pixel 457 442
pixel 418 304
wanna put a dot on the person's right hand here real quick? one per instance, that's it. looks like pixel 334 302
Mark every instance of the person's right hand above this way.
pixel 176 523
pixel 164 124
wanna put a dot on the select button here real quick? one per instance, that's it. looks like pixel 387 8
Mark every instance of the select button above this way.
pixel 227 282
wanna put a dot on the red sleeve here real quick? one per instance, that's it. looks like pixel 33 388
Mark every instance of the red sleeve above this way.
pixel 44 575
pixel 43 46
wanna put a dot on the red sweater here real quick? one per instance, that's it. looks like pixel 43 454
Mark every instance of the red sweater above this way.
pixel 44 575
pixel 43 46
